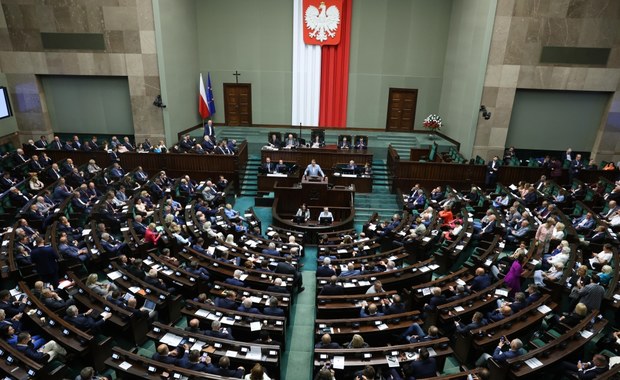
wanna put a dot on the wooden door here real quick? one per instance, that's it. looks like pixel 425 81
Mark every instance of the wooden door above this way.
pixel 401 109
pixel 238 103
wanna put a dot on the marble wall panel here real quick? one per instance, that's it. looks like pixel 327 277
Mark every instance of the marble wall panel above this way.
pixel 521 29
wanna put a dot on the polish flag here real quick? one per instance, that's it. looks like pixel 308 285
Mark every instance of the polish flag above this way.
pixel 203 108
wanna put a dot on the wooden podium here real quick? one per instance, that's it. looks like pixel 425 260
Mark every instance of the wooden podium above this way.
pixel 316 194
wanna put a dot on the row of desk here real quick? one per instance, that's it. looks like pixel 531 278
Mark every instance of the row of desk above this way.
pixel 327 157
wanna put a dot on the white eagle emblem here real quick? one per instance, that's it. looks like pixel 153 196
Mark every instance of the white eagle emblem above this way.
pixel 323 23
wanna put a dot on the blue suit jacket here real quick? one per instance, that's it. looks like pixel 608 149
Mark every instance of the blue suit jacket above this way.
pixel 234 281
pixel 45 259
pixel 480 282
pixel 501 356
pixel 422 369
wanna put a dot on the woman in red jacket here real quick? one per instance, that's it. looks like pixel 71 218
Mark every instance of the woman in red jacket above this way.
pixel 151 235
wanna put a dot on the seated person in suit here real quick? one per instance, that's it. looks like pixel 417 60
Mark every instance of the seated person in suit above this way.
pixel 268 166
pixel 499 314
pixel 111 246
pixel 278 286
pixel 326 342
pixel 194 361
pixel 326 214
pixel 589 370
pixel 164 354
pixel 332 288
pixel 477 321
pixel 361 144
pixel 193 326
pixel 344 144
pixel 325 270
pixel 246 307
pixel 272 308
pixel 351 167
pixel 228 301
pixel 223 369
pixel 281 167
pixel 500 356
pixel 83 321
pixel 236 279
pixel 369 310
pixel 218 331
pixel 274 141
pixel 481 281
pixel 46 353
pixel 317 141
pixel 152 279
pixel 290 142
pixel 424 366
pixel 304 212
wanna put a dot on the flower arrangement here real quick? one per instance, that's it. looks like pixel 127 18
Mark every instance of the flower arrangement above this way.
pixel 432 122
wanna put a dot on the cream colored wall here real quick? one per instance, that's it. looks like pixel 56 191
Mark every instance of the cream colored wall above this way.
pixel 521 29
pixel 471 27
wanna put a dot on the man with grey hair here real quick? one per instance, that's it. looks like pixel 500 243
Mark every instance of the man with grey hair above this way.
pixel 246 307
pixel 218 332
pixel 84 321
pixel 500 356
pixel 236 279
pixel 325 270
pixel 112 247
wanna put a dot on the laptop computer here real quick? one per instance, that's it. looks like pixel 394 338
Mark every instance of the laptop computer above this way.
pixel 149 305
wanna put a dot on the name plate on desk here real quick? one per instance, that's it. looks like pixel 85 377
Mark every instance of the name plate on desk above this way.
pixel 349 175
pixel 276 175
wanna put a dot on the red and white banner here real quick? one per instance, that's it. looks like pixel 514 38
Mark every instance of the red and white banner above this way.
pixel 321 66
pixel 322 21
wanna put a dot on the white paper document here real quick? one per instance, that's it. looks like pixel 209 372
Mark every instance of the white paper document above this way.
pixel 171 339
pixel 338 362
pixel 255 326
pixel 392 361
pixel 533 363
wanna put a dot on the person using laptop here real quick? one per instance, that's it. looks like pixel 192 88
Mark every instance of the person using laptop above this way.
pixel 303 213
pixel 314 170
pixel 326 216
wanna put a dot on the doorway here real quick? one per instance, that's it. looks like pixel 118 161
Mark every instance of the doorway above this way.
pixel 238 103
pixel 401 109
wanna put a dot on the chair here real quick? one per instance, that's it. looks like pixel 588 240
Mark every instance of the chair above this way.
pixel 317 132
pixel 278 136
pixel 364 140
pixel 341 140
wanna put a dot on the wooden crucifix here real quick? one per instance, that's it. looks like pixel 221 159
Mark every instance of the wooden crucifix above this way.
pixel 236 74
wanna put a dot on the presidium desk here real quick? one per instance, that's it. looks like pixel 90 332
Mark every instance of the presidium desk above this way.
pixel 327 158
pixel 316 195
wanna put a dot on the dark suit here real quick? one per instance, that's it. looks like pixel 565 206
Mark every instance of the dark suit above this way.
pixel 275 311
pixel 169 359
pixel 234 281
pixel 332 290
pixel 277 289
pixel 480 282
pixel 286 268
pixel 225 371
pixel 422 369
pixel 501 356
pixel 491 176
pixel 33 354
pixel 586 374
pixel 185 363
pixel 45 260
pixel 325 271
pixel 11 309
pixel 85 323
